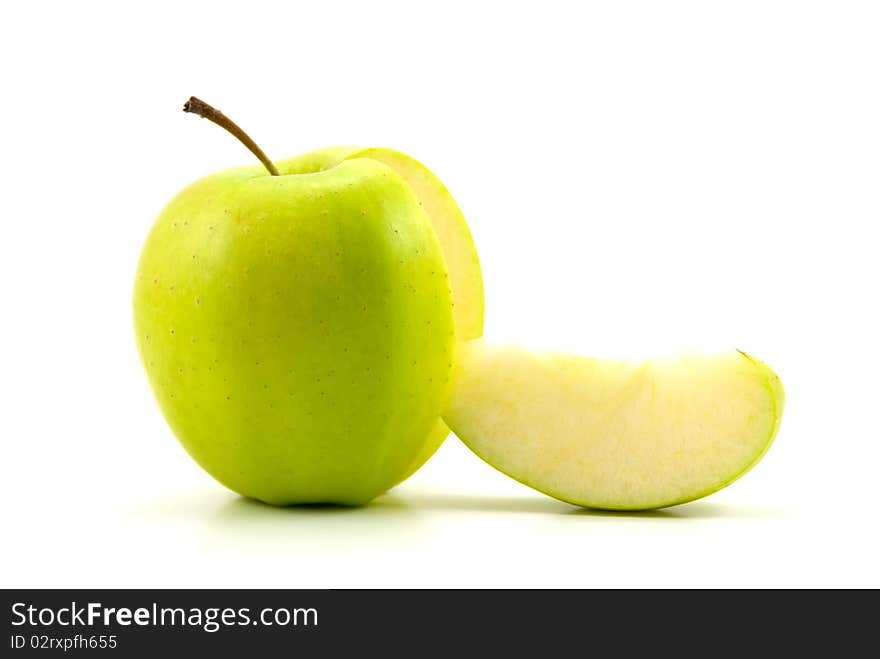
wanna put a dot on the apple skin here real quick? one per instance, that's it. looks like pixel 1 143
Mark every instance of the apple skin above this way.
pixel 297 330
pixel 459 251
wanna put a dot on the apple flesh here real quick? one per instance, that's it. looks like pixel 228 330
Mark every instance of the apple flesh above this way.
pixel 297 330
pixel 614 434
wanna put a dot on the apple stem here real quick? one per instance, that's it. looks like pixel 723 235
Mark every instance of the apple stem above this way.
pixel 205 111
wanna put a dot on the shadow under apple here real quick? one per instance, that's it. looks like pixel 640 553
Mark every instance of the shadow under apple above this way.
pixel 404 506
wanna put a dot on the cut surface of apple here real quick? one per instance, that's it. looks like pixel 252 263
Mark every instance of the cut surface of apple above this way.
pixel 614 434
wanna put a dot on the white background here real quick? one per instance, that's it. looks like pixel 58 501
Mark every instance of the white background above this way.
pixel 639 177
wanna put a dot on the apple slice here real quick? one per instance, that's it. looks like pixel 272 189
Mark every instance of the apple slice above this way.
pixel 614 434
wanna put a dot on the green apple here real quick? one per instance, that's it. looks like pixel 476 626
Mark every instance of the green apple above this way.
pixel 297 328
pixel 614 434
